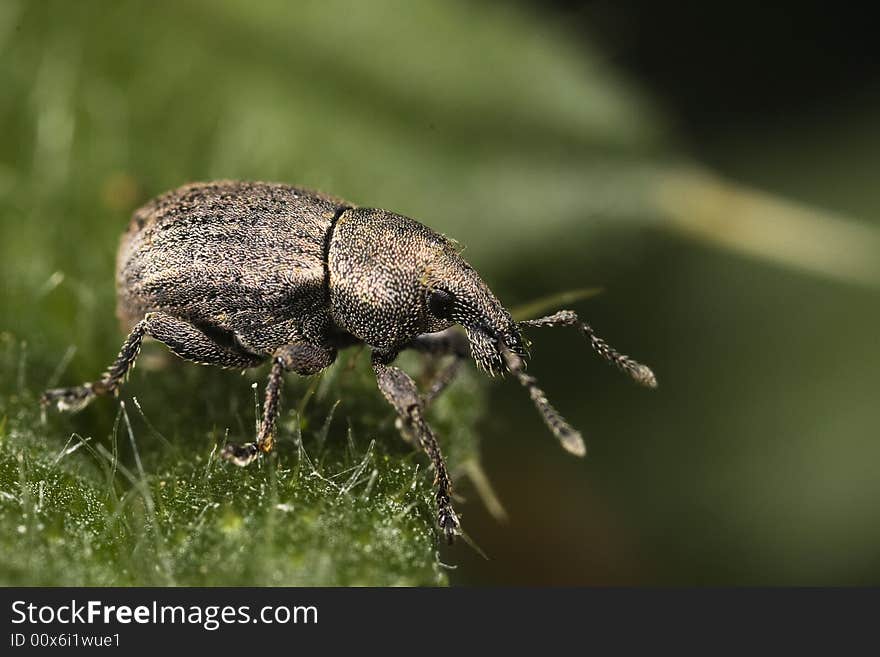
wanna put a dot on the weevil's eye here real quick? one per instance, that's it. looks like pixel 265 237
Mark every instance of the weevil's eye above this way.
pixel 440 303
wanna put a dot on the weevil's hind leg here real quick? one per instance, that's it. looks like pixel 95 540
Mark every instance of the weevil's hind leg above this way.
pixel 401 392
pixel 76 398
pixel 445 343
pixel 184 339
pixel 304 359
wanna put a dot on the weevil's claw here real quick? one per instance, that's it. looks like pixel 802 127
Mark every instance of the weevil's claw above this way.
pixel 240 455
pixel 449 523
pixel 69 399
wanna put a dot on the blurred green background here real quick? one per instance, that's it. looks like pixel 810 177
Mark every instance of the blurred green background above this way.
pixel 724 198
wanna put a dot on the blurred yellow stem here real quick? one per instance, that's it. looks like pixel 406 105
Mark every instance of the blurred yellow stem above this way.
pixel 759 224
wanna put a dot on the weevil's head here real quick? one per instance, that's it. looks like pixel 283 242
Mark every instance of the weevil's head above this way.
pixel 391 279
pixel 454 292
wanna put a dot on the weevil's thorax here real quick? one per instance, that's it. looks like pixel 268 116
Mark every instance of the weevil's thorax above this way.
pixel 379 264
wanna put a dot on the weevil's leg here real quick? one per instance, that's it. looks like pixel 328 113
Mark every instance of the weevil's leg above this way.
pixel 641 374
pixel 183 338
pixel 437 345
pixel 243 454
pixel 78 397
pixel 401 392
pixel 304 359
pixel 441 381
pixel 445 343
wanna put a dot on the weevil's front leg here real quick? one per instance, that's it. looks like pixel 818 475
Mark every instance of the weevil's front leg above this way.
pixel 183 338
pixel 401 392
pixel 445 343
pixel 304 359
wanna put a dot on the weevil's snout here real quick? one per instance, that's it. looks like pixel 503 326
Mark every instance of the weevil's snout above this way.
pixel 496 342
pixel 455 293
pixel 512 349
pixel 494 351
pixel 512 353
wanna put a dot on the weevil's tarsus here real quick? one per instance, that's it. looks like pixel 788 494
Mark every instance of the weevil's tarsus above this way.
pixel 304 359
pixel 569 437
pixel 246 453
pixel 75 399
pixel 640 373
pixel 242 454
pixel 69 400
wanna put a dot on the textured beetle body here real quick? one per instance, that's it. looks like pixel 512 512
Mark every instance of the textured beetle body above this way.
pixel 234 274
pixel 246 260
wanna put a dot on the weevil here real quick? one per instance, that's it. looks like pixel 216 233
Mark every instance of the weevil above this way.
pixel 237 273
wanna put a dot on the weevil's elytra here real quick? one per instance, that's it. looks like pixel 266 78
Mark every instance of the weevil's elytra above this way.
pixel 236 274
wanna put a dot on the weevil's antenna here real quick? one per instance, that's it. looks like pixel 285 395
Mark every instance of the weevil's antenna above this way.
pixel 569 437
pixel 641 374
